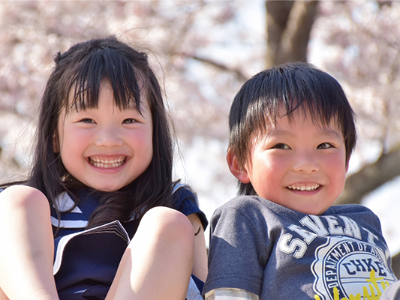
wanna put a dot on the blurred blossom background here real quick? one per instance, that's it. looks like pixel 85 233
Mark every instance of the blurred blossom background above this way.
pixel 202 52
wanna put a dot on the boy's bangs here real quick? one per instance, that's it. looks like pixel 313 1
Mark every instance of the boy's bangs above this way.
pixel 103 65
pixel 319 98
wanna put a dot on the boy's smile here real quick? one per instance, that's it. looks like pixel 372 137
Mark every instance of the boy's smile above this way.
pixel 105 148
pixel 297 164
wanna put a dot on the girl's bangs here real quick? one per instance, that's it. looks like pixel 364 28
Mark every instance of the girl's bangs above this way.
pixel 103 65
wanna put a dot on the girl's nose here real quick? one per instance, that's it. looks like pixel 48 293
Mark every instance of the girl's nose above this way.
pixel 306 163
pixel 108 137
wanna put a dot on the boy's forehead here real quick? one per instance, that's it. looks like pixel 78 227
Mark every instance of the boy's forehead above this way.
pixel 303 114
pixel 282 123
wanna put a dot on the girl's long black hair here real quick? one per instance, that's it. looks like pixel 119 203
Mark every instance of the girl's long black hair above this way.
pixel 80 72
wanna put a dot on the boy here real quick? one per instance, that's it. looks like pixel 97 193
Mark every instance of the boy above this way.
pixel 291 136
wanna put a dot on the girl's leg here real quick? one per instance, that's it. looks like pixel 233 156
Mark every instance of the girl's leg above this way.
pixel 26 252
pixel 158 262
pixel 3 296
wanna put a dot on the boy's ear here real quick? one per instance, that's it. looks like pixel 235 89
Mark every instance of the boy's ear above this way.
pixel 237 171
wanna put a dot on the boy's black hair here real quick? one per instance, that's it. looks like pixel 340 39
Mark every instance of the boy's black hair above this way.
pixel 292 86
pixel 79 72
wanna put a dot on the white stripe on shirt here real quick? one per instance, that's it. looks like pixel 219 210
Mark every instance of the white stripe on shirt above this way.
pixel 230 294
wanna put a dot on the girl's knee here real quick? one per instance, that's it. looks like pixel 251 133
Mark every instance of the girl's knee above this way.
pixel 21 197
pixel 168 224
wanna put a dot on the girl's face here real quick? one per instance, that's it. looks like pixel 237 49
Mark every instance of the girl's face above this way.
pixel 105 148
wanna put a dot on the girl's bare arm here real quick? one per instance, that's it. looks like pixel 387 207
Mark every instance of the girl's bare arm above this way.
pixel 26 254
pixel 200 268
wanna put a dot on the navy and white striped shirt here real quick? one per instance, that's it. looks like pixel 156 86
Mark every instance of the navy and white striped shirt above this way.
pixel 86 261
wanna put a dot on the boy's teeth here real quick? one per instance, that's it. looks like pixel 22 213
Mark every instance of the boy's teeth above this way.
pixel 303 187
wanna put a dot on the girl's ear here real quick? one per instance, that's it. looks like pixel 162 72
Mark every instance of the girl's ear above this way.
pixel 237 171
pixel 56 147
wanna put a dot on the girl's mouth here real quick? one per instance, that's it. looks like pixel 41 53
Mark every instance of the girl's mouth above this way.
pixel 107 162
pixel 296 187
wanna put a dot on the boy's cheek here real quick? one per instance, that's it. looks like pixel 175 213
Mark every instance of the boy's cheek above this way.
pixel 337 161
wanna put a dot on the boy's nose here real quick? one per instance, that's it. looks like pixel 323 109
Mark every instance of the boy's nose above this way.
pixel 306 163
pixel 108 137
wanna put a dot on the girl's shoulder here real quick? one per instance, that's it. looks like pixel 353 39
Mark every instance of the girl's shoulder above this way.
pixel 185 201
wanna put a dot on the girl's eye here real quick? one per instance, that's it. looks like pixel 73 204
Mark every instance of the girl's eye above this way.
pixel 281 146
pixel 129 121
pixel 325 146
pixel 87 120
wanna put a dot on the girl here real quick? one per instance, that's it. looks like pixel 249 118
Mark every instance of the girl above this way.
pixel 101 176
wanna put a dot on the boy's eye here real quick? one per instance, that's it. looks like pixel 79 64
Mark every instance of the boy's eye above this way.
pixel 325 146
pixel 129 121
pixel 281 146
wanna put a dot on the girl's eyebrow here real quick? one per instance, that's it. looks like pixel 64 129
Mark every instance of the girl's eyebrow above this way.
pixel 78 107
pixel 132 105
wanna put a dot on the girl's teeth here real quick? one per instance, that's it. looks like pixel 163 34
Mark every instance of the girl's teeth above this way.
pixel 106 164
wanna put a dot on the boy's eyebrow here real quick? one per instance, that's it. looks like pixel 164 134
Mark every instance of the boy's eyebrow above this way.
pixel 327 132
pixel 275 131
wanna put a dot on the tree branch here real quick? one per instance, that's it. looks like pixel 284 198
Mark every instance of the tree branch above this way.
pixel 371 177
pixel 217 65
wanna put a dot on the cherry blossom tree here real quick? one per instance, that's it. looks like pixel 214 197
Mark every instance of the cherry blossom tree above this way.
pixel 203 51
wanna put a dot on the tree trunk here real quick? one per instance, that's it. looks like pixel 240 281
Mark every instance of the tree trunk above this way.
pixel 396 265
pixel 289 24
pixel 277 18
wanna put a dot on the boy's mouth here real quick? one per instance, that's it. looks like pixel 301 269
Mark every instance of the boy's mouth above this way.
pixel 107 163
pixel 311 187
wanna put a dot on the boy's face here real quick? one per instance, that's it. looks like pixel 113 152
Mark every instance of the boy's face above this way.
pixel 298 164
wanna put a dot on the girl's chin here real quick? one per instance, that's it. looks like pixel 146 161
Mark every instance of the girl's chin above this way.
pixel 105 187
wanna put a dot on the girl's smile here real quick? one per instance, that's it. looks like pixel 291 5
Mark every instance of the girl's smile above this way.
pixel 104 147
pixel 107 162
